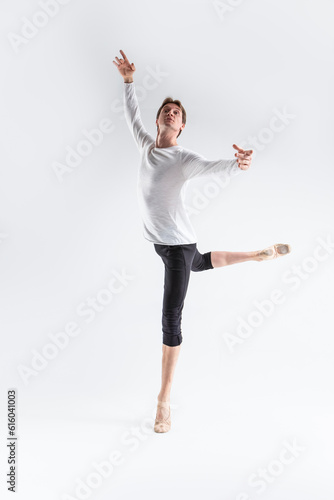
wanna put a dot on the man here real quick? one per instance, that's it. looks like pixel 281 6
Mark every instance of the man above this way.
pixel 165 167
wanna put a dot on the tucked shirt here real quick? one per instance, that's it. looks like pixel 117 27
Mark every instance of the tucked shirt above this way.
pixel 161 179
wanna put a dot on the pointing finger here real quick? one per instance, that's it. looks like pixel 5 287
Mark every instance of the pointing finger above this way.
pixel 124 56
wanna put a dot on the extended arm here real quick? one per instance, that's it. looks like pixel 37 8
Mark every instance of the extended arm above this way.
pixel 132 116
pixel 131 106
pixel 196 165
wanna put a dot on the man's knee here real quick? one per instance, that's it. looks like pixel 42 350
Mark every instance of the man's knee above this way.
pixel 203 262
pixel 172 340
pixel 171 325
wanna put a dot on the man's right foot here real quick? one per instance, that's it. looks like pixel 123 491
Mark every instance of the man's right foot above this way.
pixel 162 421
pixel 273 252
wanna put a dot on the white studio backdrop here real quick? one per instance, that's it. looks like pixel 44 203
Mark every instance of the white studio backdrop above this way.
pixel 81 289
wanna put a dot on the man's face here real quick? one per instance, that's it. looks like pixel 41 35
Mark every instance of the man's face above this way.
pixel 170 117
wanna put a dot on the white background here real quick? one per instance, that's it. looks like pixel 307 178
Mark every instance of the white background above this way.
pixel 232 64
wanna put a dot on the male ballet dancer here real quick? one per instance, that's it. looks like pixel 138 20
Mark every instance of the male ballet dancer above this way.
pixel 164 168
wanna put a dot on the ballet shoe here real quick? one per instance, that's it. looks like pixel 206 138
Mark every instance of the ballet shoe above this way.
pixel 163 425
pixel 273 251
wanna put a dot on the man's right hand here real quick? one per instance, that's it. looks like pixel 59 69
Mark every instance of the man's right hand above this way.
pixel 125 68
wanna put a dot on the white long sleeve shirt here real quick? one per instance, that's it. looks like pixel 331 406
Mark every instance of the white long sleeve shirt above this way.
pixel 161 180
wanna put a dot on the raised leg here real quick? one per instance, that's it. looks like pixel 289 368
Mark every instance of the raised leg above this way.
pixel 220 259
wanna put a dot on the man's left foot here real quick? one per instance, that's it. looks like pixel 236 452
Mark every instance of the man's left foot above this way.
pixel 273 252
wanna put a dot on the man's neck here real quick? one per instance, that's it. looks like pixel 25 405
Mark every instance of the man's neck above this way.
pixel 165 141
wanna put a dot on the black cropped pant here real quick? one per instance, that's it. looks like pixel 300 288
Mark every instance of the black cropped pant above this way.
pixel 179 260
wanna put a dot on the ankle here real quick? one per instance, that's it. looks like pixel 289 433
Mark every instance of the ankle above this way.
pixel 256 255
pixel 164 397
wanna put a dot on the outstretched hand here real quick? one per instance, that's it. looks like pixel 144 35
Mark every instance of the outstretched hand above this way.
pixel 244 157
pixel 124 67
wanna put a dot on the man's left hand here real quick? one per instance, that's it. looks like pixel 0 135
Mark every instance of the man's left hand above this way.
pixel 244 157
